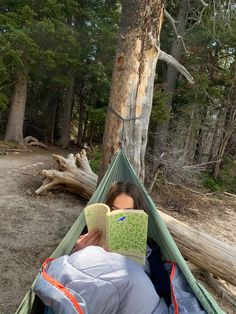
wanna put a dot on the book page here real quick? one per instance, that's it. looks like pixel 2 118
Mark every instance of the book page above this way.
pixel 127 233
pixel 95 216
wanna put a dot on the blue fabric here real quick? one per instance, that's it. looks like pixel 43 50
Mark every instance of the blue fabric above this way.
pixel 102 282
pixel 48 310
pixel 159 276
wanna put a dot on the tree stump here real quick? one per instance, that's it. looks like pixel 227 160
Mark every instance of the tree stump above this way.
pixel 74 174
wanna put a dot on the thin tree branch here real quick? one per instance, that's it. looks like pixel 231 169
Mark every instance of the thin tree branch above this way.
pixel 172 22
pixel 201 165
pixel 6 85
pixel 199 19
pixel 203 3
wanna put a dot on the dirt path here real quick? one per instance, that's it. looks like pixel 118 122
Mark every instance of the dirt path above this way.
pixel 32 226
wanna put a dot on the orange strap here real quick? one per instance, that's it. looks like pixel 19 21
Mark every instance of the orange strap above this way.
pixel 59 286
pixel 176 308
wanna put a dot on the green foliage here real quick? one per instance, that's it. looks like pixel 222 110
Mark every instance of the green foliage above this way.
pixel 226 180
pixel 160 111
pixel 228 174
pixel 3 101
pixel 97 115
pixel 210 183
pixel 53 42
pixel 95 159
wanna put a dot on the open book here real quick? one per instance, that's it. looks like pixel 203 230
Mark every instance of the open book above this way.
pixel 124 231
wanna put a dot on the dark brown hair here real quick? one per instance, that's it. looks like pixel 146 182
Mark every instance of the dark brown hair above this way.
pixel 130 189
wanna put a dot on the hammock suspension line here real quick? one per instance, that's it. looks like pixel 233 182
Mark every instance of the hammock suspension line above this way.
pixel 123 124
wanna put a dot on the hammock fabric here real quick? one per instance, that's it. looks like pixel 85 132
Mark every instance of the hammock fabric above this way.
pixel 121 170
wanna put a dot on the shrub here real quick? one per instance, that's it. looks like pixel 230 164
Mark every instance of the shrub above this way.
pixel 212 184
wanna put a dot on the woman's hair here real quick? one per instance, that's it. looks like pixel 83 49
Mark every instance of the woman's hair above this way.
pixel 130 189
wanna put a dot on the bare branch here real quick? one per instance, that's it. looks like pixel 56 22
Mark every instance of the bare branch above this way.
pixel 172 22
pixel 179 37
pixel 203 3
pixel 202 165
pixel 6 85
pixel 199 19
pixel 183 44
pixel 179 67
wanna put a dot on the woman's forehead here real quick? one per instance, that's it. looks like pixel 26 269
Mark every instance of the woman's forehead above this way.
pixel 123 201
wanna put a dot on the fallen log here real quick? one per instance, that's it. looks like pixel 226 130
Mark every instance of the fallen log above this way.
pixel 226 291
pixel 217 257
pixel 32 141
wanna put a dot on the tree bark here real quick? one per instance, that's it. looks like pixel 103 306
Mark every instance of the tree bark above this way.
pixel 49 119
pixel 66 114
pixel 217 257
pixel 171 79
pixel 132 82
pixel 91 133
pixel 199 150
pixel 14 130
pixel 230 120
pixel 203 250
pixel 82 112
pixel 228 130
pixel 75 175
pixel 218 134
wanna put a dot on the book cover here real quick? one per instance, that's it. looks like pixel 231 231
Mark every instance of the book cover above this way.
pixel 123 231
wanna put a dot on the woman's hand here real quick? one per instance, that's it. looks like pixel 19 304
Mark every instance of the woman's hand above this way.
pixel 91 238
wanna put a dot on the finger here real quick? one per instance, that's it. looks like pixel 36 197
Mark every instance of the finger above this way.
pixel 93 239
pixel 92 234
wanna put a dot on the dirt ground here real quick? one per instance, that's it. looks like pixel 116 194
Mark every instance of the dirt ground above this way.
pixel 32 226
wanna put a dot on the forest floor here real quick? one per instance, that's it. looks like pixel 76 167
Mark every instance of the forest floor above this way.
pixel 31 226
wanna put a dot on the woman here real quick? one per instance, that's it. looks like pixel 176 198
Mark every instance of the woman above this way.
pixel 105 282
pixel 127 195
pixel 122 195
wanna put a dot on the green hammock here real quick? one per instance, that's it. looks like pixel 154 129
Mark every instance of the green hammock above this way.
pixel 121 170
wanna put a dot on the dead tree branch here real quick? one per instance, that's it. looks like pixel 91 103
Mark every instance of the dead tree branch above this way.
pixel 179 67
pixel 178 36
pixel 32 141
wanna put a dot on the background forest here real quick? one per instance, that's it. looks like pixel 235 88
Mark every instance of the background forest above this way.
pixel 56 65
pixel 61 66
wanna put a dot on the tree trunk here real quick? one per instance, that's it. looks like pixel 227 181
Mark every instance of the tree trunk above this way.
pixel 53 122
pixel 199 150
pixel 218 134
pixel 66 114
pixel 82 111
pixel 132 83
pixel 85 127
pixel 203 250
pixel 91 133
pixel 14 130
pixel 172 76
pixel 189 147
pixel 229 127
pixel 48 118
pixel 230 120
